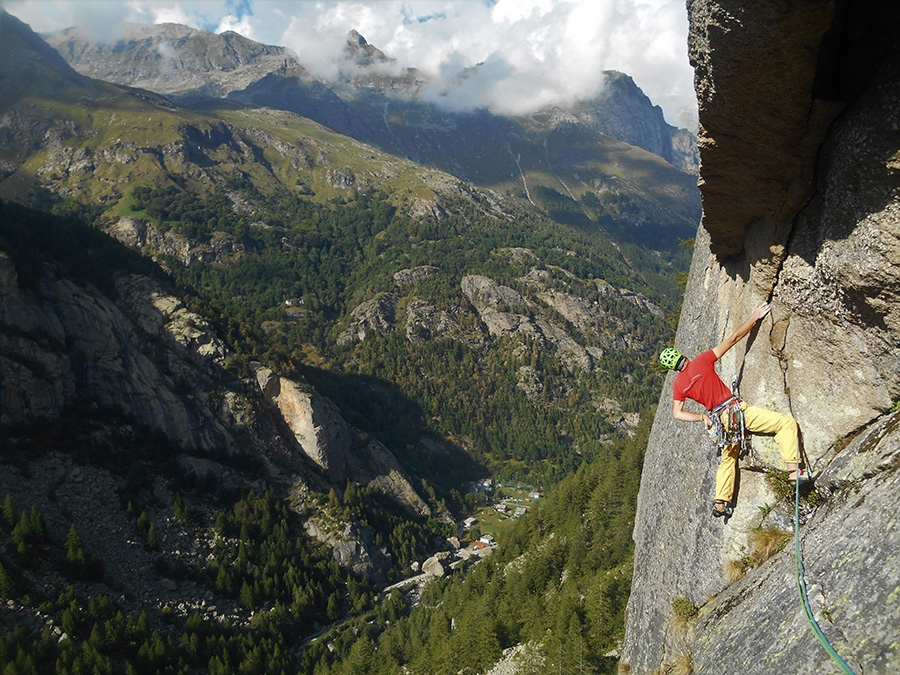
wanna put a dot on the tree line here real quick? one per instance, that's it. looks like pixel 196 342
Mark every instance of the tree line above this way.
pixel 558 583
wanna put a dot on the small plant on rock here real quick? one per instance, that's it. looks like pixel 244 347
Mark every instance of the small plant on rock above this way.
pixel 765 542
pixel 684 612
pixel 783 489
pixel 735 570
pixel 684 608
pixel 684 664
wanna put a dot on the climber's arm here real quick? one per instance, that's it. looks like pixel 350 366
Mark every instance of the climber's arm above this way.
pixel 679 413
pixel 738 335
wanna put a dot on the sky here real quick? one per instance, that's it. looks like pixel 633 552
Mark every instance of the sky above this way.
pixel 529 53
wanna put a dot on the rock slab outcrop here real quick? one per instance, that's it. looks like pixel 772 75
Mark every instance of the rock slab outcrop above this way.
pixel 341 451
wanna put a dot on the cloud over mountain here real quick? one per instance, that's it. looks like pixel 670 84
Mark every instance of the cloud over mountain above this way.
pixel 523 54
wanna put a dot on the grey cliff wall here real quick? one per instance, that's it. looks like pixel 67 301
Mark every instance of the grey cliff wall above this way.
pixel 144 355
pixel 800 152
pixel 69 344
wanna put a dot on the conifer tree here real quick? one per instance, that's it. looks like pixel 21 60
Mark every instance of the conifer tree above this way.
pixel 179 510
pixel 152 537
pixel 8 513
pixel 75 551
pixel 5 583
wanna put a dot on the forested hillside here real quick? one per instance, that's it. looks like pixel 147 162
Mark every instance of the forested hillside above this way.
pixel 252 369
pixel 552 599
pixel 399 386
pixel 101 521
pixel 410 378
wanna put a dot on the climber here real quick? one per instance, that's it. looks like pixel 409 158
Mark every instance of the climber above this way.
pixel 698 380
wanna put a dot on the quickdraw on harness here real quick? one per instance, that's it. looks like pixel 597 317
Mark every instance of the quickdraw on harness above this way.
pixel 728 425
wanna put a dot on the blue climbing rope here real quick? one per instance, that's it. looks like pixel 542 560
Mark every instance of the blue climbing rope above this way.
pixel 801 581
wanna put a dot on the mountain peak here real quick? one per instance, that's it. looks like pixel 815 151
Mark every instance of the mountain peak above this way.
pixel 19 37
pixel 354 38
pixel 172 59
pixel 29 64
pixel 362 53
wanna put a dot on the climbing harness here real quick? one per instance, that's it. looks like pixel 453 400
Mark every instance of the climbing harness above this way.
pixel 801 582
pixel 731 430
pixel 728 425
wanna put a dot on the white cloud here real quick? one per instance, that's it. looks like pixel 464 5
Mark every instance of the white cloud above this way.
pixel 242 26
pixel 166 13
pixel 168 57
pixel 533 52
pixel 510 11
pixel 53 15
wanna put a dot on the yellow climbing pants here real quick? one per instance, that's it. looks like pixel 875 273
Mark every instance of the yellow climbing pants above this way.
pixel 758 421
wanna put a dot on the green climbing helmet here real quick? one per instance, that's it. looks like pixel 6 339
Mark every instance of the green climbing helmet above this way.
pixel 670 357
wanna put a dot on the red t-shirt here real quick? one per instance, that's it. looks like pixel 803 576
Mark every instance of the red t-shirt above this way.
pixel 700 381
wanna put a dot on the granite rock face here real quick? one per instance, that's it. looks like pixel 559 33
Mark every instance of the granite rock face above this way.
pixel 67 344
pixel 756 158
pixel 314 421
pixel 800 139
pixel 373 316
pixel 851 553
pixel 156 364
pixel 340 451
pixel 547 315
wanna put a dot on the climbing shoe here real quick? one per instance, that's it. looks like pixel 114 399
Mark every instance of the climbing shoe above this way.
pixel 803 476
pixel 721 508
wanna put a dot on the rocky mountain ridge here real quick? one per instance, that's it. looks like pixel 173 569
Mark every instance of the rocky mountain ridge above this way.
pixel 83 155
pixel 801 194
pixel 188 64
pixel 624 112
pixel 192 66
pixel 374 105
